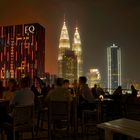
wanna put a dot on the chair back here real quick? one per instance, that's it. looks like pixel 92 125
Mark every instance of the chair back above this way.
pixel 4 108
pixel 23 115
pixel 59 110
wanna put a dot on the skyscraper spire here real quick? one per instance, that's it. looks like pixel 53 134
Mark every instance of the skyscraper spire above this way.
pixel 64 44
pixel 64 37
pixel 78 51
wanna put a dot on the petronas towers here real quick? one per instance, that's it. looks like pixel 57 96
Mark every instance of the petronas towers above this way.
pixel 69 56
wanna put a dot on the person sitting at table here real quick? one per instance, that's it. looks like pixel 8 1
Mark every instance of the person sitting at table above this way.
pixel 9 92
pixel 66 84
pixel 132 101
pixel 132 98
pixel 85 96
pixel 1 90
pixel 94 91
pixel 22 97
pixel 100 91
pixel 117 97
pixel 59 93
pixel 117 94
pixel 85 93
pixel 134 91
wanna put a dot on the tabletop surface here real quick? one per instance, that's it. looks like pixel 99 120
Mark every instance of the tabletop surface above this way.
pixel 123 126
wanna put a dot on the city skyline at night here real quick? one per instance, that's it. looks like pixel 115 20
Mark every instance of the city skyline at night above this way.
pixel 101 23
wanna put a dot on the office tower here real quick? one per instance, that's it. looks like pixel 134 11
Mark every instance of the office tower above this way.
pixel 114 67
pixel 22 51
pixel 64 44
pixel 69 66
pixel 78 52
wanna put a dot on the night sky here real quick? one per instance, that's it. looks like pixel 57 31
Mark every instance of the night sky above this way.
pixel 101 23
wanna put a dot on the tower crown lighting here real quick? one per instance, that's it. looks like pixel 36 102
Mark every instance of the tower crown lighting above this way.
pixel 64 37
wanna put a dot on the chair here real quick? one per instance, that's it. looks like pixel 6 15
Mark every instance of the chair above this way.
pixel 89 121
pixel 4 108
pixel 22 120
pixel 42 112
pixel 59 114
pixel 133 108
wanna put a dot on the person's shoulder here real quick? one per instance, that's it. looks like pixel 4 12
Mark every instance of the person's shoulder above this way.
pixel 17 91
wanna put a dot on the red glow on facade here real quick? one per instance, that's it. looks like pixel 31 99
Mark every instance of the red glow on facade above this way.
pixel 16 74
pixel 28 65
pixel 1 56
pixel 7 56
pixel 4 51
pixel 35 63
pixel 32 39
pixel 8 39
pixel 36 46
pixel 32 55
pixel 16 56
pixel 28 50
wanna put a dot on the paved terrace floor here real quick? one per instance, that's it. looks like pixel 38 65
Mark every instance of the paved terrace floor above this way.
pixel 62 135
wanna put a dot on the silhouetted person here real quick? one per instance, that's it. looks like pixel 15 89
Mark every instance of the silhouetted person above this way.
pixel 117 97
pixel 66 84
pixel 44 89
pixel 35 91
pixel 134 92
pixel 22 97
pixel 59 93
pixel 94 91
pixel 100 91
pixel 1 89
pixel 9 92
pixel 84 91
pixel 85 96
pixel 118 91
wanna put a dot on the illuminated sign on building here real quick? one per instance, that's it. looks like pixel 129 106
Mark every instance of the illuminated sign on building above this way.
pixel 29 29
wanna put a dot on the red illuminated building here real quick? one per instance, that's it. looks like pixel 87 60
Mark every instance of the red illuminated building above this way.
pixel 22 51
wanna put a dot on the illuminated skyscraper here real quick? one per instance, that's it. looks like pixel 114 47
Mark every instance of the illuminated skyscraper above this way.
pixel 64 44
pixel 78 52
pixel 68 55
pixel 22 51
pixel 114 67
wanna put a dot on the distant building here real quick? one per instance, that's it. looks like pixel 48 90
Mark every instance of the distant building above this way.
pixel 22 51
pixel 94 77
pixel 78 52
pixel 64 44
pixel 114 67
pixel 70 54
